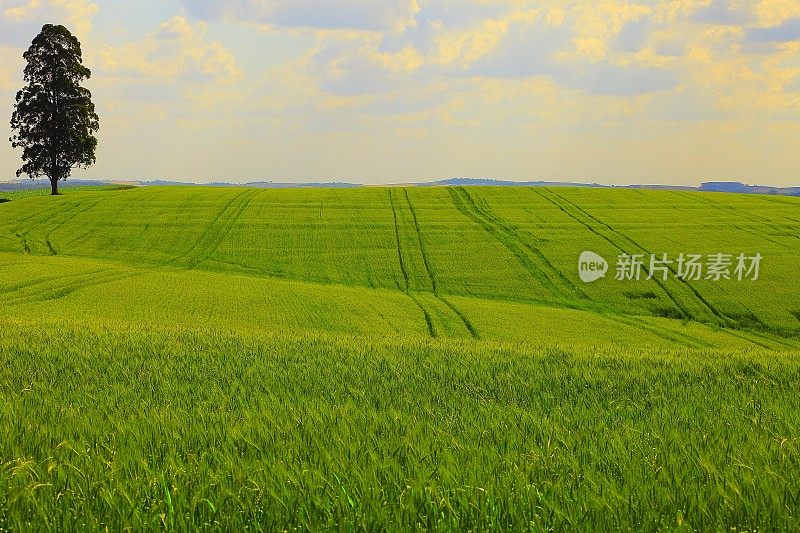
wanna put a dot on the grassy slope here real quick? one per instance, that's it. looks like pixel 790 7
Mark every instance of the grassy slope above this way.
pixel 224 357
pixel 148 430
pixel 514 250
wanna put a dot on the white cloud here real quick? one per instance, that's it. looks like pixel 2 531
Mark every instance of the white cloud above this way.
pixel 488 82
pixel 776 12
pixel 369 15
pixel 175 50
pixel 20 21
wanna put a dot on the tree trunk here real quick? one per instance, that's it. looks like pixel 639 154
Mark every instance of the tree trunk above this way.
pixel 54 186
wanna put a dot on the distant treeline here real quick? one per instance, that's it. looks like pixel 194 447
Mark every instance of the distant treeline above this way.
pixel 710 186
pixel 728 186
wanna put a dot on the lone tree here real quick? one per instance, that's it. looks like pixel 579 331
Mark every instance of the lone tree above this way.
pixel 54 118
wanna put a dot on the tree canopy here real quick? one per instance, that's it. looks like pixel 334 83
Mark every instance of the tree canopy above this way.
pixel 54 119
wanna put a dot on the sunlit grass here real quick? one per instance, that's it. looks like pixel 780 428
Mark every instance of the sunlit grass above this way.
pixel 376 359
pixel 132 429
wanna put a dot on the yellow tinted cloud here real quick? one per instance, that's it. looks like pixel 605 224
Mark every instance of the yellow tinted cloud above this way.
pixel 176 48
pixel 775 12
pixel 595 24
pixel 466 46
pixel 405 60
pixel 77 14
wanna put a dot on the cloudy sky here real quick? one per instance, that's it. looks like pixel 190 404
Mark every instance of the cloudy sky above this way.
pixel 377 91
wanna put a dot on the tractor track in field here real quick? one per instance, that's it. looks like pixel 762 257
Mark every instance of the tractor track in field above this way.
pixel 70 218
pixel 663 333
pixel 421 244
pixel 35 282
pixel 765 236
pixel 754 232
pixel 752 217
pixel 760 344
pixel 22 234
pixel 63 292
pixel 42 213
pixel 229 224
pixel 82 281
pixel 423 251
pixel 727 319
pixel 777 200
pixel 694 342
pixel 472 330
pixel 688 340
pixel 208 242
pixel 708 305
pixel 705 201
pixel 206 231
pixel 403 269
pixel 521 239
pixel 26 247
pixel 45 214
pixel 778 339
pixel 608 239
pixel 428 270
pixel 528 256
pixel 426 314
pixel 60 221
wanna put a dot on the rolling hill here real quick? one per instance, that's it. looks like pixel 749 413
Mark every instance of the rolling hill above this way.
pixel 492 263
pixel 395 358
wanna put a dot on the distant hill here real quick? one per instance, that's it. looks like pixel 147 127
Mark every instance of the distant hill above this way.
pixel 488 182
pixel 256 184
pixel 737 187
pixel 43 184
pixel 710 186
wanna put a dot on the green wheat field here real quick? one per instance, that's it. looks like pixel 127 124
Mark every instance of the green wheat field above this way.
pixel 196 358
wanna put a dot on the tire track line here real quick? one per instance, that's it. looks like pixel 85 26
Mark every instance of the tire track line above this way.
pixel 422 249
pixel 229 224
pixel 56 293
pixel 41 218
pixel 722 316
pixel 567 287
pixel 70 218
pixel 663 333
pixel 403 269
pixel 506 237
pixel 608 239
pixel 462 316
pixel 44 215
pixel 428 320
pixel 205 235
pixel 522 259
pixel 425 261
pixel 753 218
pixel 33 283
pixel 698 198
pixel 425 314
pixel 61 218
